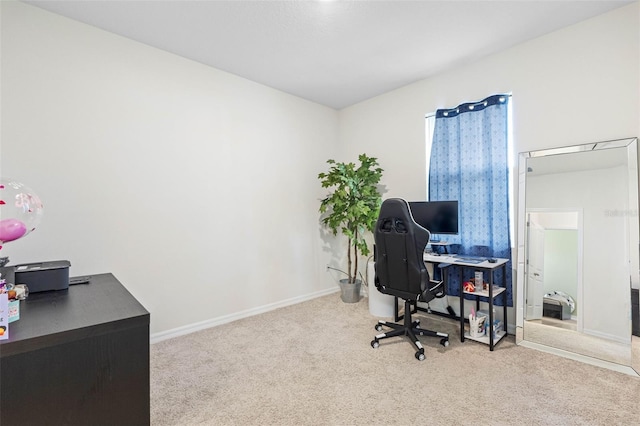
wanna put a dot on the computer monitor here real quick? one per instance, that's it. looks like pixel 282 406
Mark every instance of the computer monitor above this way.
pixel 438 217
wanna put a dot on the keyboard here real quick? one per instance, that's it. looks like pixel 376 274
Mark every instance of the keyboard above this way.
pixel 471 259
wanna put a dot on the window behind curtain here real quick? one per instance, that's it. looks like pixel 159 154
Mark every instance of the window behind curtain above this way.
pixel 430 121
pixel 469 161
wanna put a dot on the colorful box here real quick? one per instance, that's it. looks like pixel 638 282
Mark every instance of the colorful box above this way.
pixel 4 316
pixel 14 310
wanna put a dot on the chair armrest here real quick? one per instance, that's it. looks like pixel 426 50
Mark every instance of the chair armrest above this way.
pixel 437 289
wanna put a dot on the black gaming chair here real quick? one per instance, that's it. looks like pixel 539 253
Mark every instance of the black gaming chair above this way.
pixel 401 271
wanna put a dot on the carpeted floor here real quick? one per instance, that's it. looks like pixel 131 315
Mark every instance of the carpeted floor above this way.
pixel 312 364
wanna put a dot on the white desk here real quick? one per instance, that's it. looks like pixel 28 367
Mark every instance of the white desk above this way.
pixel 489 294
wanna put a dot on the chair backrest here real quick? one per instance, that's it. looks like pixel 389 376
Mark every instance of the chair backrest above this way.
pixel 399 250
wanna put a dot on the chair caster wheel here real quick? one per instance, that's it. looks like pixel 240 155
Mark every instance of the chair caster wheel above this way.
pixel 375 344
pixel 420 355
pixel 444 342
pixel 378 327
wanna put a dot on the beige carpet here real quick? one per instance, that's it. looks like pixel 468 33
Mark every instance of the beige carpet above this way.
pixel 312 364
pixel 580 343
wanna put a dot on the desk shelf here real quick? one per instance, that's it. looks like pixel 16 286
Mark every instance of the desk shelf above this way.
pixel 485 339
pixel 443 243
pixel 485 293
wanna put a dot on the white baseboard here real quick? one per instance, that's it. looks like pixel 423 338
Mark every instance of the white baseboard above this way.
pixel 192 328
pixel 607 336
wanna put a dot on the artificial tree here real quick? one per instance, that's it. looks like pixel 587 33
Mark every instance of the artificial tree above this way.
pixel 353 204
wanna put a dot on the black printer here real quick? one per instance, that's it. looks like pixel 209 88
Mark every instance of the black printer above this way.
pixel 43 276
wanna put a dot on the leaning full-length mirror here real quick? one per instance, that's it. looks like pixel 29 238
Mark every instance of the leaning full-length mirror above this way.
pixel 578 252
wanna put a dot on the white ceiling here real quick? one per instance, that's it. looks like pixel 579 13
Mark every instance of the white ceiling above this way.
pixel 336 53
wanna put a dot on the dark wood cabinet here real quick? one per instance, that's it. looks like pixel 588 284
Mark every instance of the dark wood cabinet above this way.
pixel 77 357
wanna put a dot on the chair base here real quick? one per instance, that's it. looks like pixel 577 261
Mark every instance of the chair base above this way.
pixel 409 328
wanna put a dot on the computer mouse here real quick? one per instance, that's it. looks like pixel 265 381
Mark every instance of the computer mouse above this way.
pixel 492 260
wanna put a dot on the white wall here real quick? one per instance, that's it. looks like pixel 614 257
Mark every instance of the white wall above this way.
pixel 196 188
pixel 576 85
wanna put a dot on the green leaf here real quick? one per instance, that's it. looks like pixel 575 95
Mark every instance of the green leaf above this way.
pixel 353 203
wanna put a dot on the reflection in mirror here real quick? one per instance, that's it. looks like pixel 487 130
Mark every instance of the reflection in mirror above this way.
pixel 578 252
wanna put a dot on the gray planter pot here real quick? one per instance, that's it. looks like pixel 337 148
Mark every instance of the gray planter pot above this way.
pixel 350 293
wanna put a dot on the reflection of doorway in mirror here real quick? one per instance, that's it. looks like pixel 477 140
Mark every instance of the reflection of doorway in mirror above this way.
pixel 535 275
pixel 561 264
pixel 554 250
pixel 554 265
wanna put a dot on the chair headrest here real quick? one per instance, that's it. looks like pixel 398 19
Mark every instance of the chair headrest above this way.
pixel 395 212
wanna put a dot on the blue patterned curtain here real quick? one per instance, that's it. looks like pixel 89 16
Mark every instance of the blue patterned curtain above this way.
pixel 469 163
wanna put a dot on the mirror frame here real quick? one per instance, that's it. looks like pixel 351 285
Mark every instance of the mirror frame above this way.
pixel 634 239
